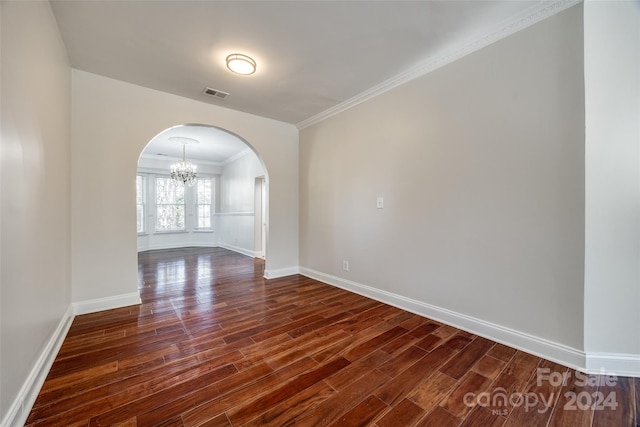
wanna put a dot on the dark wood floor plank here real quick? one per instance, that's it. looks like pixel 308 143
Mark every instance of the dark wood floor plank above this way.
pixel 310 344
pixel 502 352
pixel 375 342
pixel 637 399
pixel 414 321
pixel 439 417
pixel 120 392
pixel 344 345
pixel 206 394
pixel 402 317
pixel 363 414
pixel 540 397
pixel 270 332
pixel 220 421
pixel 288 349
pixel 400 344
pixel 569 411
pixel 77 343
pixel 342 401
pixel 289 410
pixel 458 403
pixel 425 329
pixel 155 401
pixel 236 392
pixel 79 377
pixel 356 370
pixel 504 393
pixel 489 367
pixel 246 412
pixel 483 416
pixel 405 413
pixel 464 361
pixel 429 342
pixel 402 361
pixel 354 328
pixel 87 384
pixel 430 393
pixel 522 365
pixel 133 347
pixel 399 387
pixel 319 324
pixel 617 408
pixel 215 344
pixel 458 340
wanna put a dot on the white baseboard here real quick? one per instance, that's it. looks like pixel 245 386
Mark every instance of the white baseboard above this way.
pixel 624 365
pixel 21 406
pixel 238 249
pixel 107 303
pixel 177 246
pixel 281 272
pixel 541 347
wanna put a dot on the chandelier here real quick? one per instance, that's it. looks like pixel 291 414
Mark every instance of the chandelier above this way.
pixel 184 171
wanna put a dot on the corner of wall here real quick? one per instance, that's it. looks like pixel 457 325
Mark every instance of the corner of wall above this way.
pixel 22 404
pixel 281 272
pixel 107 303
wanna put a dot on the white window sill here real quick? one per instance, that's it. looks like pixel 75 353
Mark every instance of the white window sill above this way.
pixel 172 232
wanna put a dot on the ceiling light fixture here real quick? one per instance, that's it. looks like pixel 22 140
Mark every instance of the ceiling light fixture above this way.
pixel 241 64
pixel 184 171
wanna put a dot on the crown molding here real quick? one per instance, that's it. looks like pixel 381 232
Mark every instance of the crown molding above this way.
pixel 172 159
pixel 516 23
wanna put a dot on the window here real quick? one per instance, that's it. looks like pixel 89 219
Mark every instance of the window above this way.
pixel 170 209
pixel 140 200
pixel 204 203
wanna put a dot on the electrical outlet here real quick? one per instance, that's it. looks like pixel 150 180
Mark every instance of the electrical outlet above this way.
pixel 345 265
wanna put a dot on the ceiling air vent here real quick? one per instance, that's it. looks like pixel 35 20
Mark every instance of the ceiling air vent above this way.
pixel 215 92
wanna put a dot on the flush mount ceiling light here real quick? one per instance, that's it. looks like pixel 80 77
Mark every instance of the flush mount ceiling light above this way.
pixel 241 64
pixel 184 172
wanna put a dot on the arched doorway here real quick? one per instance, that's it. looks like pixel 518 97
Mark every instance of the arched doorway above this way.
pixel 219 210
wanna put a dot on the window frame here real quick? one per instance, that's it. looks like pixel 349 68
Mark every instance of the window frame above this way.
pixel 141 201
pixel 211 204
pixel 157 205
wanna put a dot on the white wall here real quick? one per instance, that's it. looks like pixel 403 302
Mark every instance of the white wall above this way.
pixel 481 166
pixel 235 216
pixel 612 253
pixel 112 123
pixel 35 198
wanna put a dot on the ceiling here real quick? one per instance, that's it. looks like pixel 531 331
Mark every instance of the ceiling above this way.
pixel 312 55
pixel 211 145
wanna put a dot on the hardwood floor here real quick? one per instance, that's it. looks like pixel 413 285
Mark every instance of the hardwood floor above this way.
pixel 214 344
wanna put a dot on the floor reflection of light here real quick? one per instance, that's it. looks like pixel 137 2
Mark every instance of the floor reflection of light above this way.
pixel 187 276
pixel 204 267
pixel 204 281
pixel 141 281
pixel 171 273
